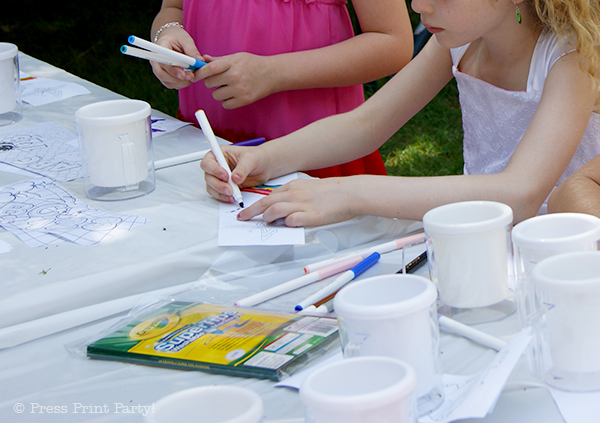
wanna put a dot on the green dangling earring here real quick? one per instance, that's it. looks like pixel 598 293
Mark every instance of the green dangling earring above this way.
pixel 518 12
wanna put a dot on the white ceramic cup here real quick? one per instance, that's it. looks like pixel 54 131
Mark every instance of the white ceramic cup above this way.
pixel 468 246
pixel 394 316
pixel 568 286
pixel 115 137
pixel 11 109
pixel 362 389
pixel 208 404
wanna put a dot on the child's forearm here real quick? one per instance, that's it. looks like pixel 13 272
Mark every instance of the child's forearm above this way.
pixel 580 193
pixel 384 46
pixel 358 60
pixel 171 11
pixel 412 197
pixel 331 141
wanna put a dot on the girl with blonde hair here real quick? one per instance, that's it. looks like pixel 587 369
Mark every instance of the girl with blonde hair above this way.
pixel 527 75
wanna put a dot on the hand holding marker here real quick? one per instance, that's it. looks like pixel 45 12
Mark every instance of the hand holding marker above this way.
pixel 216 150
pixel 160 54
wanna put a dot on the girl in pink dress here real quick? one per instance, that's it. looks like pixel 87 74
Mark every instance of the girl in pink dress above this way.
pixel 278 65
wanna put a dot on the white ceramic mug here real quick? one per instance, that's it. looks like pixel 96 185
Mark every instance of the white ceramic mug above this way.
pixel 115 137
pixel 394 316
pixel 468 246
pixel 11 108
pixel 357 390
pixel 208 404
pixel 568 288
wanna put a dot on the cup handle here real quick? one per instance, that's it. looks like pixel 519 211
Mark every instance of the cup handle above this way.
pixel 130 162
pixel 353 349
pixel 534 318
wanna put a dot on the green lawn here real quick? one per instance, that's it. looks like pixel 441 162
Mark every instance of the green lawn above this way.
pixel 84 39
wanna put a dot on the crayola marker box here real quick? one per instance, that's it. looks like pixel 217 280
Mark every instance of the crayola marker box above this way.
pixel 228 340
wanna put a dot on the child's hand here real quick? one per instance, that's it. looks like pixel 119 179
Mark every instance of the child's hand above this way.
pixel 247 171
pixel 306 202
pixel 239 79
pixel 174 77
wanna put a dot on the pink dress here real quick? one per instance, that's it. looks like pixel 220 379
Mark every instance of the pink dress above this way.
pixel 268 27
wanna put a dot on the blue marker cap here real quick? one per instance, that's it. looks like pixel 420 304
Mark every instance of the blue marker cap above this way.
pixel 197 64
pixel 365 264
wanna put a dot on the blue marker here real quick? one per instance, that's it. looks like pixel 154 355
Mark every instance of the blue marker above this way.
pixel 341 280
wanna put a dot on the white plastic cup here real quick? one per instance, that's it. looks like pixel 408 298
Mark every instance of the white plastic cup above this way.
pixel 568 331
pixel 115 137
pixel 11 107
pixel 468 249
pixel 545 236
pixel 208 404
pixel 394 316
pixel 362 389
pixel 538 238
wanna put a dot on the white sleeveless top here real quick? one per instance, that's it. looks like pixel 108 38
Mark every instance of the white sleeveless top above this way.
pixel 495 120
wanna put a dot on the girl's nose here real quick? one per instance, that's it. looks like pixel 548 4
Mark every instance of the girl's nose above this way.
pixel 421 6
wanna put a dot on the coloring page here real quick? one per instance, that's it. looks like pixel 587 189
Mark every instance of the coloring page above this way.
pixel 163 125
pixel 232 232
pixel 45 149
pixel 40 91
pixel 39 213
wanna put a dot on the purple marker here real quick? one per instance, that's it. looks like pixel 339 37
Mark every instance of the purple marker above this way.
pixel 252 142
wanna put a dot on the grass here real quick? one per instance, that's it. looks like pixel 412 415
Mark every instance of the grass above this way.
pixel 84 39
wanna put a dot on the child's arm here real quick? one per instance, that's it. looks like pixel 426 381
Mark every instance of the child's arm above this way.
pixel 536 165
pixel 343 137
pixel 580 193
pixel 383 48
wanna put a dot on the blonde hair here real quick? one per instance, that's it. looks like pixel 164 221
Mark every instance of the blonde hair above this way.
pixel 575 17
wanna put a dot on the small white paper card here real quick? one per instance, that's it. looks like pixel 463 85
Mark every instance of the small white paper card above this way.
pixel 233 232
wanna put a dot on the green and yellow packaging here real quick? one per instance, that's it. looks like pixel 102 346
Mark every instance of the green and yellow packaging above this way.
pixel 229 340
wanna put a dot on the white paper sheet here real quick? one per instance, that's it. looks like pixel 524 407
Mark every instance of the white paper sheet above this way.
pixel 164 125
pixel 232 232
pixel 475 396
pixel 578 407
pixel 45 149
pixel 40 91
pixel 40 212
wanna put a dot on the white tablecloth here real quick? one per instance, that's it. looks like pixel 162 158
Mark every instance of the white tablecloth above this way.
pixel 41 380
